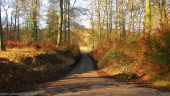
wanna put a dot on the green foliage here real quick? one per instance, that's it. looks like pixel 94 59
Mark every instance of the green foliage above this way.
pixel 52 20
pixel 108 57
pixel 158 49
pixel 26 32
pixel 29 22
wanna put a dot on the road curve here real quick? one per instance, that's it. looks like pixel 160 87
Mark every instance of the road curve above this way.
pixel 85 81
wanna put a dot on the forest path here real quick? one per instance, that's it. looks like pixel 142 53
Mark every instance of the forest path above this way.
pixel 85 81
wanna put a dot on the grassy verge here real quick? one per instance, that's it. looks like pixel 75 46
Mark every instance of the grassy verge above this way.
pixel 20 69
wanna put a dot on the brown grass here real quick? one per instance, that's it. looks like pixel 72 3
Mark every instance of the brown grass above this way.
pixel 20 68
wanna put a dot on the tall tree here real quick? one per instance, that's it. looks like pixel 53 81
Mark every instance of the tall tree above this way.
pixel 140 15
pixel 17 8
pixel 99 19
pixel 68 23
pixel 52 20
pixel 2 45
pixel 65 14
pixel 110 15
pixel 132 9
pixel 123 12
pixel 107 16
pixel 117 16
pixel 147 18
pixel 59 39
pixel 35 13
pixel 16 5
pixel 163 18
pixel 7 22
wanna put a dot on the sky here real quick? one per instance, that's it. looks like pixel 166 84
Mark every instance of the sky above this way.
pixel 83 18
pixel 79 3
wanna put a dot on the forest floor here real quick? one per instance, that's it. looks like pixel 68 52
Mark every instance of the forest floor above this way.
pixel 84 80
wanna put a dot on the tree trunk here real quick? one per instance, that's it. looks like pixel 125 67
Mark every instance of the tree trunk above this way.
pixel 65 20
pixel 139 26
pixel 117 17
pixel 2 45
pixel 18 29
pixel 99 20
pixel 133 23
pixel 68 23
pixel 148 18
pixel 163 18
pixel 107 18
pixel 15 24
pixel 123 23
pixel 34 16
pixel 11 27
pixel 131 15
pixel 7 25
pixel 110 18
pixel 59 41
pixel 92 30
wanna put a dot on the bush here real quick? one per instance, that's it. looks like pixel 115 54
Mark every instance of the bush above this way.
pixel 15 43
pixel 108 57
pixel 158 48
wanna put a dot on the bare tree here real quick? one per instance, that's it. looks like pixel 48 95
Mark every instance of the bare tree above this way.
pixel 59 39
pixel 2 45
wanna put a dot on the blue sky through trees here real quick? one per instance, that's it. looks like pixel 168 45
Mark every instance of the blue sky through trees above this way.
pixel 43 11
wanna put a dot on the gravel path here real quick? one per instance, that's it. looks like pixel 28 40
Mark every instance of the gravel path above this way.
pixel 85 81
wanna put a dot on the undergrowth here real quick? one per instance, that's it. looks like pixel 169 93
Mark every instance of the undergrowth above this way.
pixel 148 58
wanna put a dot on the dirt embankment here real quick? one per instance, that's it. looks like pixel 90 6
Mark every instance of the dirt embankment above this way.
pixel 23 69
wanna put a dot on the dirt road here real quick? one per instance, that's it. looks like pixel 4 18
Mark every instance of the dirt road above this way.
pixel 85 81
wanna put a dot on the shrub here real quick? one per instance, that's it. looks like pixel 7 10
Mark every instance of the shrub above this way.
pixel 158 48
pixel 114 58
pixel 15 43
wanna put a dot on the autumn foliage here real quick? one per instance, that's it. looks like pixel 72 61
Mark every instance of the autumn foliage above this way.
pixel 148 58
pixel 15 43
